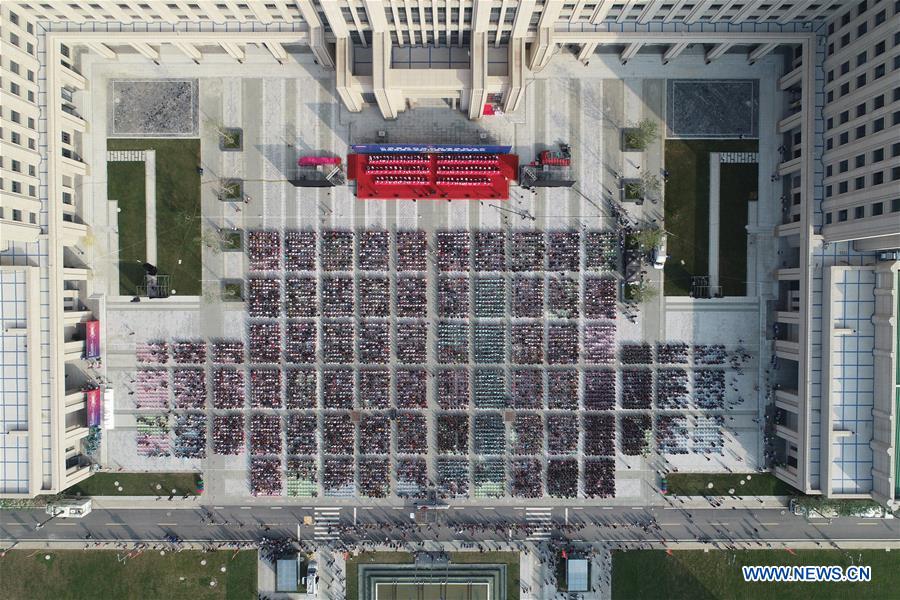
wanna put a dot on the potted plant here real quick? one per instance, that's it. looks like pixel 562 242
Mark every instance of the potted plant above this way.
pixel 638 137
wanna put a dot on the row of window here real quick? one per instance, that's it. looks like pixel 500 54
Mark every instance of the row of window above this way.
pixel 16 167
pixel 15 41
pixel 863 78
pixel 859 212
pixel 860 131
pixel 16 138
pixel 17 215
pixel 16 90
pixel 862 28
pixel 16 117
pixel 16 69
pixel 861 59
pixel 859 183
pixel 860 111
pixel 859 161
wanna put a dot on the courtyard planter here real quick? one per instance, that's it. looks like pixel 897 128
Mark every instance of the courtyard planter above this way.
pixel 232 290
pixel 232 241
pixel 632 191
pixel 231 139
pixel 631 140
pixel 231 190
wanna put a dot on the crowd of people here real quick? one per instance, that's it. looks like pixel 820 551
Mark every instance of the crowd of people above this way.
pixel 154 352
pixel 452 392
pixel 530 251
pixel 412 298
pixel 300 250
pixel 300 434
pixel 634 430
pixel 489 434
pixel 336 250
pixel 228 352
pixel 153 439
pixel 338 342
pixel 562 433
pixel 300 342
pixel 637 389
pixel 453 296
pixel 411 387
pixel 266 476
pixel 301 390
pixel 412 433
pixel 300 296
pixel 599 434
pixel 151 389
pixel 263 297
pixel 338 434
pixel 709 388
pixel 410 343
pixel 374 295
pixel 599 342
pixel 527 296
pixel 528 434
pixel 672 389
pixel 228 434
pixel 636 354
pixel 600 298
pixel 599 390
pixel 374 250
pixel 563 297
pixel 189 388
pixel 601 250
pixel 564 250
pixel 227 388
pixel 190 435
pixel 337 296
pixel 373 343
pixel 374 389
pixel 265 435
pixel 263 250
pixel 412 250
pixel 453 250
pixel 490 250
pixel 265 388
pixel 189 352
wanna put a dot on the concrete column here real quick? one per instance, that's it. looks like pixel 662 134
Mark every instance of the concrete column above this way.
pixel 716 52
pixel 317 43
pixel 335 19
pixel 351 98
pixel 189 50
pixel 630 51
pixel 760 51
pixel 389 101
pixel 587 51
pixel 714 220
pixel 277 51
pixel 603 8
pixel 236 51
pixel 103 50
pixel 481 16
pixel 478 91
pixel 576 11
pixel 625 10
pixel 147 50
pixel 523 18
pixel 543 46
pixel 673 51
pixel 518 74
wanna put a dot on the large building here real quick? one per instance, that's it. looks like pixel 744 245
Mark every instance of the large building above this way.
pixel 840 168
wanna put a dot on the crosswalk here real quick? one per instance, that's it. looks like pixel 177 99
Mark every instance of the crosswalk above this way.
pixel 540 521
pixel 324 519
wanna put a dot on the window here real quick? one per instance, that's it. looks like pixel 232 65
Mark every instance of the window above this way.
pixel 861 29
pixel 845 67
pixel 16 214
pixel 860 80
pixel 879 71
pixel 845 88
pixel 860 161
pixel 32 144
pixel 895 118
pixel 829 143
pixel 859 212
pixel 15 117
pixel 878 102
pixel 879 48
pixel 30 123
pixel 830 76
pixel 66 138
pixel 845 19
pixel 877 209
pixel 845 39
pixel 14 39
pixel 878 178
pixel 878 155
pixel 842 187
pixel 14 67
pixel 844 117
pixel 861 109
pixel 880 18
pixel 828 171
pixel 896 94
pixel 829 124
pixel 861 132
pixel 14 88
pixel 828 191
pixel 895 173
pixel 844 138
pixel 15 138
pixel 830 95
pixel 895 205
pixel 828 218
pixel 861 58
pixel 30 75
pixel 878 124
pixel 16 187
pixel 16 166
pixel 13 18
pixel 895 149
pixel 32 191
pixel 842 215
pixel 843 166
pixel 859 183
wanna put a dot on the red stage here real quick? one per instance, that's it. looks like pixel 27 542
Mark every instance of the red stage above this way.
pixel 433 176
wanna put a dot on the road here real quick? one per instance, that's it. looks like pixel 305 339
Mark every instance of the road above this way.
pixel 379 524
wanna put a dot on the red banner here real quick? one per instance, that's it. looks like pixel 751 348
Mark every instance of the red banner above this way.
pixel 94 408
pixel 92 339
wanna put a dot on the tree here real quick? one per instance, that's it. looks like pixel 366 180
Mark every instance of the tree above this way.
pixel 648 238
pixel 641 135
pixel 640 292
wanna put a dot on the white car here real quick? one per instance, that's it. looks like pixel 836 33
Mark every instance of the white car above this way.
pixel 659 253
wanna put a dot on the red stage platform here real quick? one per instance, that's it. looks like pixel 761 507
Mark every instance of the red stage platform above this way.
pixel 433 176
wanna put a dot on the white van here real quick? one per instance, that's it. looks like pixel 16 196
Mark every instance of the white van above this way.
pixel 312 572
pixel 659 253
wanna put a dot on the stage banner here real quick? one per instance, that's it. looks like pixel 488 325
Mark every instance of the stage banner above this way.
pixel 94 408
pixel 92 339
pixel 428 148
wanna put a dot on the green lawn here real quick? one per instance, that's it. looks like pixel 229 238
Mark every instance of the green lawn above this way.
pixel 136 484
pixel 687 214
pixel 385 558
pixel 126 185
pixel 177 209
pixel 760 484
pixel 696 575
pixel 96 574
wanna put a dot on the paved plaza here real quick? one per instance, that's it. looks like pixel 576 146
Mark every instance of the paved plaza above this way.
pixel 293 111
